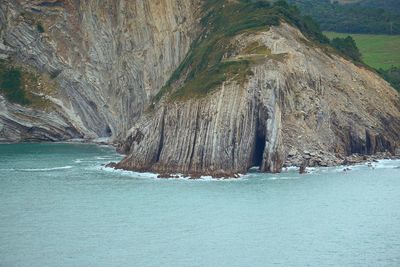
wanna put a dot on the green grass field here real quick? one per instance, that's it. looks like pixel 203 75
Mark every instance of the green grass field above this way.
pixel 379 51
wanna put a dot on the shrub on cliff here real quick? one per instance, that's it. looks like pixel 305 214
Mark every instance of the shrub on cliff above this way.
pixel 203 70
pixel 391 75
pixel 11 85
pixel 348 47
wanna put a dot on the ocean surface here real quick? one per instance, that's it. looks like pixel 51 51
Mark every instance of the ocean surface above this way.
pixel 59 206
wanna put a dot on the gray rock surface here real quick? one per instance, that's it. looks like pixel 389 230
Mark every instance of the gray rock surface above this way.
pixel 308 106
pixel 109 58
pixel 106 60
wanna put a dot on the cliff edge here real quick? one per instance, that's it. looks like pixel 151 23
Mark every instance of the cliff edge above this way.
pixel 298 103
pixel 87 69
pixel 198 87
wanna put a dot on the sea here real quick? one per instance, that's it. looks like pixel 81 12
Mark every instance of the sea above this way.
pixel 60 206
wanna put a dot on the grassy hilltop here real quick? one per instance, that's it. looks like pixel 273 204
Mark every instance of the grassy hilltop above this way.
pixel 378 51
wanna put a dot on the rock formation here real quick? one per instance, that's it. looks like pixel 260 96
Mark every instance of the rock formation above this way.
pixel 109 64
pixel 300 103
pixel 108 59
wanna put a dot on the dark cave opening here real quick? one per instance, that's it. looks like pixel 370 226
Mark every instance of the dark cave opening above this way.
pixel 258 149
pixel 107 131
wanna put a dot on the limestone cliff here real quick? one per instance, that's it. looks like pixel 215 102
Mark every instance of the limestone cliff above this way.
pixel 194 86
pixel 108 59
pixel 299 103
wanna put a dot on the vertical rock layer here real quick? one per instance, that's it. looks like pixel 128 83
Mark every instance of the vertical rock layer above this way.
pixel 99 64
pixel 298 101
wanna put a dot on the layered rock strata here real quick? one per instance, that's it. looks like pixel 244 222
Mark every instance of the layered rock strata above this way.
pixel 109 58
pixel 298 101
pixel 106 61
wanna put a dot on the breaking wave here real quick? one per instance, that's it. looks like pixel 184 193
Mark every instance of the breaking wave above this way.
pixel 44 169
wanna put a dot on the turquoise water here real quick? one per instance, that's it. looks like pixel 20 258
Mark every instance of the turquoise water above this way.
pixel 60 207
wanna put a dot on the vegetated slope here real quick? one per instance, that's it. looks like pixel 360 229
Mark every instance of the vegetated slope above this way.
pixel 381 52
pixel 205 68
pixel 266 93
pixel 378 17
pixel 392 75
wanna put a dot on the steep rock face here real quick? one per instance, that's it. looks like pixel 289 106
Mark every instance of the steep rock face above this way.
pixel 107 57
pixel 299 101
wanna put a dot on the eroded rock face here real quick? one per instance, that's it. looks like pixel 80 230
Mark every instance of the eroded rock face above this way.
pixel 107 57
pixel 299 102
pixel 110 58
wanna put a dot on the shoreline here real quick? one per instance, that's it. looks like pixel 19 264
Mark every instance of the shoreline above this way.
pixel 300 162
pixel 352 160
pixel 292 169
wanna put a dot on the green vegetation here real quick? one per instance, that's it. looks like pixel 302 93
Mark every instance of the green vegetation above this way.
pixel 14 80
pixel 11 85
pixel 378 51
pixel 381 52
pixel 348 47
pixel 364 16
pixel 391 75
pixel 256 49
pixel 204 68
pixel 391 5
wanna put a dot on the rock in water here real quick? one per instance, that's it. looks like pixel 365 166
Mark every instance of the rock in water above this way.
pixel 303 167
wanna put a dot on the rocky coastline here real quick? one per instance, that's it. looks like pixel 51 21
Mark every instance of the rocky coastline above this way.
pixel 288 113
pixel 271 96
pixel 302 162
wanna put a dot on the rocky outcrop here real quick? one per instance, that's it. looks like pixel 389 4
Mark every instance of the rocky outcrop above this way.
pixel 19 123
pixel 99 67
pixel 300 103
pixel 108 58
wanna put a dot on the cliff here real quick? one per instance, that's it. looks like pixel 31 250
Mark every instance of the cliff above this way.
pixel 107 60
pixel 189 86
pixel 300 103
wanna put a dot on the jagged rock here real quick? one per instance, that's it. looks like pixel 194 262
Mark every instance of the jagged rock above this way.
pixel 255 123
pixel 108 59
pixel 292 153
pixel 111 165
pixel 303 167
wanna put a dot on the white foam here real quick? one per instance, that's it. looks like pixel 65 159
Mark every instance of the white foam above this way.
pixel 177 176
pixel 290 169
pixel 127 173
pixel 310 170
pixel 386 164
pixel 105 158
pixel 45 169
pixel 208 178
pixel 283 178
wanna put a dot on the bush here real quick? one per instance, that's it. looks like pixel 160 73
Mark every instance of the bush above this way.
pixel 358 17
pixel 391 75
pixel 348 47
pixel 11 85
